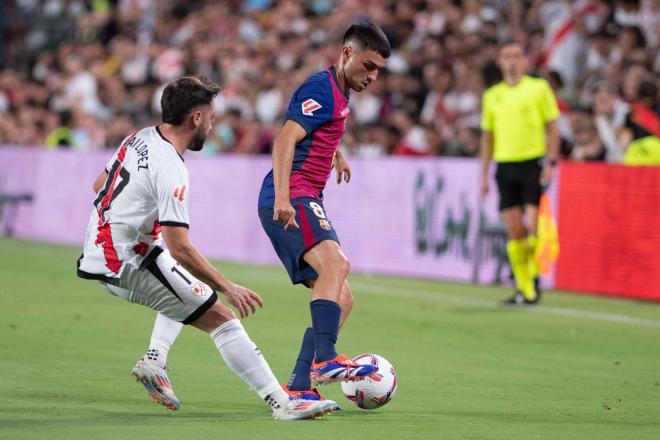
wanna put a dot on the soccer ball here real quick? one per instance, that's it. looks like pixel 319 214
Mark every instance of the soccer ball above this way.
pixel 375 391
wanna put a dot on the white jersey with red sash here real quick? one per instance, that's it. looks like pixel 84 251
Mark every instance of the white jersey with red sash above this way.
pixel 147 186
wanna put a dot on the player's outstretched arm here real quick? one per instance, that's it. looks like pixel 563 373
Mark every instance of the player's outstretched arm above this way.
pixel 284 146
pixel 187 255
pixel 341 167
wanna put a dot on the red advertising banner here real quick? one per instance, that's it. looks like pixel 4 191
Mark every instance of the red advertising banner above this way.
pixel 609 230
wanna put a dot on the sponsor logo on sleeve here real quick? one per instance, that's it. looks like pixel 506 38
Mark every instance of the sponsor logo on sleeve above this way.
pixel 309 107
pixel 179 192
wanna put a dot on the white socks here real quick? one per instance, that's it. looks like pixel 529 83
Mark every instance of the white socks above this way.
pixel 236 348
pixel 163 336
pixel 245 359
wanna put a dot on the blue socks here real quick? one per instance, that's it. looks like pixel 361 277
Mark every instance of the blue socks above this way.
pixel 318 340
pixel 299 379
pixel 325 321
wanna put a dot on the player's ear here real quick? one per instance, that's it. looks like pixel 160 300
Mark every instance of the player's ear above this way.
pixel 347 51
pixel 196 118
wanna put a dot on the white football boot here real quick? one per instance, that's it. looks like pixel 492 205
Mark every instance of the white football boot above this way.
pixel 301 409
pixel 156 382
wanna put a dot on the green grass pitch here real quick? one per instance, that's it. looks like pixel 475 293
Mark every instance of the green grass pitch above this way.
pixel 576 367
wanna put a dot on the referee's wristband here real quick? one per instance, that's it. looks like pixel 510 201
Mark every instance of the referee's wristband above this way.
pixel 551 162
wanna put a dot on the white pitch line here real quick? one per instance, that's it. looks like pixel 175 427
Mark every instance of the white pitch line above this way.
pixel 540 309
pixel 424 294
pixel 596 316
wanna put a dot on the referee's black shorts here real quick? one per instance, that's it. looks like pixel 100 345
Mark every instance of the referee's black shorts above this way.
pixel 519 183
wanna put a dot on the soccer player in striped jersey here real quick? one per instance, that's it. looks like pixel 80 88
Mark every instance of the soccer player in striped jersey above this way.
pixel 291 203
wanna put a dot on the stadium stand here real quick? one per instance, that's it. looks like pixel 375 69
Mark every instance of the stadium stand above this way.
pixel 80 74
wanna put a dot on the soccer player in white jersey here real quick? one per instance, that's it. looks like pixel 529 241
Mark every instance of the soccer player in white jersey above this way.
pixel 142 194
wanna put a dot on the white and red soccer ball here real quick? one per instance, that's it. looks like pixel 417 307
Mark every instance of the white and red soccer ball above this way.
pixel 376 390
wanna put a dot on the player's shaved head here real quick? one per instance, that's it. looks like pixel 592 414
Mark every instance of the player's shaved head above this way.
pixel 366 35
pixel 182 95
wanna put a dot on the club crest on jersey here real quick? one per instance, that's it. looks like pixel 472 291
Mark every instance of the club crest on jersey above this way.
pixel 179 192
pixel 309 107
pixel 198 289
pixel 324 224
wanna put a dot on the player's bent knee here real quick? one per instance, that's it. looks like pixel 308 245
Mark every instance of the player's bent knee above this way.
pixel 333 265
pixel 346 301
pixel 337 266
pixel 214 317
pixel 343 266
pixel 346 291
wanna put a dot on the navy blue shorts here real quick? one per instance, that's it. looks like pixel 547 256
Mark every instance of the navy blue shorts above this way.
pixel 292 244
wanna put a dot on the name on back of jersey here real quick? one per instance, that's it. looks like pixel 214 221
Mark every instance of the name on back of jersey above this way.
pixel 141 148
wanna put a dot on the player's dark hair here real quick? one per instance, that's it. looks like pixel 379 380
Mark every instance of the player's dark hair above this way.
pixel 368 36
pixel 182 95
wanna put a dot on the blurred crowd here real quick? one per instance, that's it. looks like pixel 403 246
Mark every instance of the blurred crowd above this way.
pixel 83 74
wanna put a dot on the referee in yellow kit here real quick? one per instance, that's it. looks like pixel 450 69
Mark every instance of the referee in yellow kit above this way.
pixel 519 120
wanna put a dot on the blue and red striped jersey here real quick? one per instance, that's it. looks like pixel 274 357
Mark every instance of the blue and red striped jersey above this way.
pixel 321 108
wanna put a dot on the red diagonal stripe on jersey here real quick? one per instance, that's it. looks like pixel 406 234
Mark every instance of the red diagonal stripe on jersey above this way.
pixel 104 238
pixel 155 231
pixel 106 200
pixel 141 248
pixel 183 191
pixel 122 153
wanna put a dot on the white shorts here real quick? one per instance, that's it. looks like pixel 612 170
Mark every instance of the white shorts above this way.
pixel 165 286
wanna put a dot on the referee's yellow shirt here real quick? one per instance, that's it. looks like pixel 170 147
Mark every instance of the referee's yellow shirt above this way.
pixel 517 116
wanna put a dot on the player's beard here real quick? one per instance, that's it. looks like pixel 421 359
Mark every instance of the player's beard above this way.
pixel 197 141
